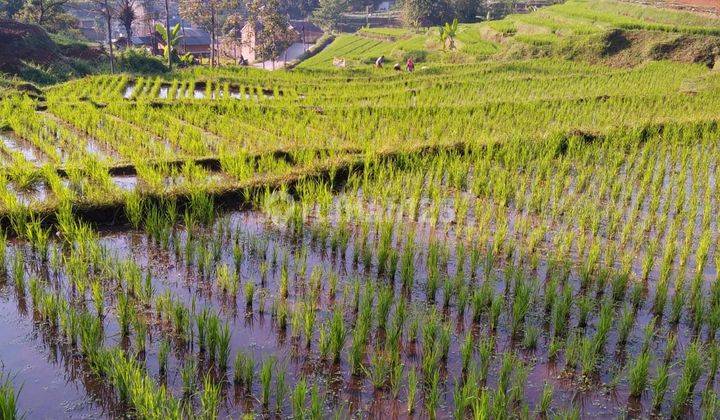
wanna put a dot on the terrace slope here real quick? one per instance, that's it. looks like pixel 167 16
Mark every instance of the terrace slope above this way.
pixel 588 66
pixel 29 52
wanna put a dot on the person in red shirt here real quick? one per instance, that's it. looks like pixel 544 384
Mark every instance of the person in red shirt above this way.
pixel 410 65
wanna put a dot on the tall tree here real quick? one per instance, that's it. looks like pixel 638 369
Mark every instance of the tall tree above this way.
pixel 232 33
pixel 106 9
pixel 297 8
pixel 465 10
pixel 40 12
pixel 329 13
pixel 425 12
pixel 126 15
pixel 9 8
pixel 273 34
pixel 207 14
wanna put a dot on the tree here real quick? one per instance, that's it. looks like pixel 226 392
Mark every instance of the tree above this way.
pixel 466 10
pixel 425 12
pixel 207 14
pixel 126 15
pixel 297 8
pixel 232 32
pixel 41 12
pixel 447 33
pixel 328 14
pixel 170 39
pixel 9 8
pixel 273 34
pixel 106 9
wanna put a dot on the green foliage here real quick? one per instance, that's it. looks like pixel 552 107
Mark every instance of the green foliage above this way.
pixel 139 60
pixel 328 13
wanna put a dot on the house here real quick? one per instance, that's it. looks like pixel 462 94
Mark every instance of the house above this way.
pixel 305 34
pixel 90 23
pixel 308 31
pixel 194 41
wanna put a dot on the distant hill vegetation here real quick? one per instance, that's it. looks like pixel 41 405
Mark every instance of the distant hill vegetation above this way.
pixel 30 53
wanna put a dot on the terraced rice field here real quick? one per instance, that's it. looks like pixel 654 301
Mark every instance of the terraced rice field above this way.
pixel 504 239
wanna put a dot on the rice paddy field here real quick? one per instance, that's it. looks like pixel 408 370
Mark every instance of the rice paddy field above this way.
pixel 505 238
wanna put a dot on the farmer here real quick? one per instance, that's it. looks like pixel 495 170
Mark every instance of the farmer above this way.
pixel 410 65
pixel 397 67
pixel 379 62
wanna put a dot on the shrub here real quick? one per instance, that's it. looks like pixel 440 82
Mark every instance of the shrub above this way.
pixel 418 56
pixel 139 60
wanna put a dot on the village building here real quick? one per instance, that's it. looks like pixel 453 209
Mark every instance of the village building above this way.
pixel 194 41
pixel 305 34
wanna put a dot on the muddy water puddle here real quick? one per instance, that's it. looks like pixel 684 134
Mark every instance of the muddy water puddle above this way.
pixel 53 385
pixel 15 145
pixel 200 92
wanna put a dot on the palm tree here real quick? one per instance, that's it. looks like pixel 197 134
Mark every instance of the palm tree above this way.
pixel 126 15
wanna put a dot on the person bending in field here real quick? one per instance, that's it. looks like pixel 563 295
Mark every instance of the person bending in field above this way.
pixel 379 62
pixel 410 65
pixel 397 67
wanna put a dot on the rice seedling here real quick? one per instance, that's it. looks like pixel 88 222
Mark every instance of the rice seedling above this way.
pixel 244 370
pixel 281 388
pixel 412 387
pixel 266 371
pixel 380 370
pixel 223 339
pixel 210 398
pixel 316 404
pixel 660 384
pixel 638 374
pixel 163 352
pixel 299 396
pixel 9 400
pixel 692 371
pixel 545 400
pixel 530 338
pixel 249 294
pixel 187 374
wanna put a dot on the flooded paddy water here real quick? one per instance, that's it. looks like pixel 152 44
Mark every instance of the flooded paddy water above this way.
pixel 42 362
pixel 332 266
pixel 414 288
pixel 199 91
pixel 13 145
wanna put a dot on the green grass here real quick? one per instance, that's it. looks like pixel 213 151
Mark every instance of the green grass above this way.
pixel 358 49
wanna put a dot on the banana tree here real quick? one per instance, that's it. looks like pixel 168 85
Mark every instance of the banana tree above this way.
pixel 448 33
pixel 171 40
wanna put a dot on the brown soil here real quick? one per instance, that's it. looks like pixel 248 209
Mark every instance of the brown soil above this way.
pixel 14 40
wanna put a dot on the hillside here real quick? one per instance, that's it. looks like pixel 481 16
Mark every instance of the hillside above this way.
pixel 603 31
pixel 27 51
